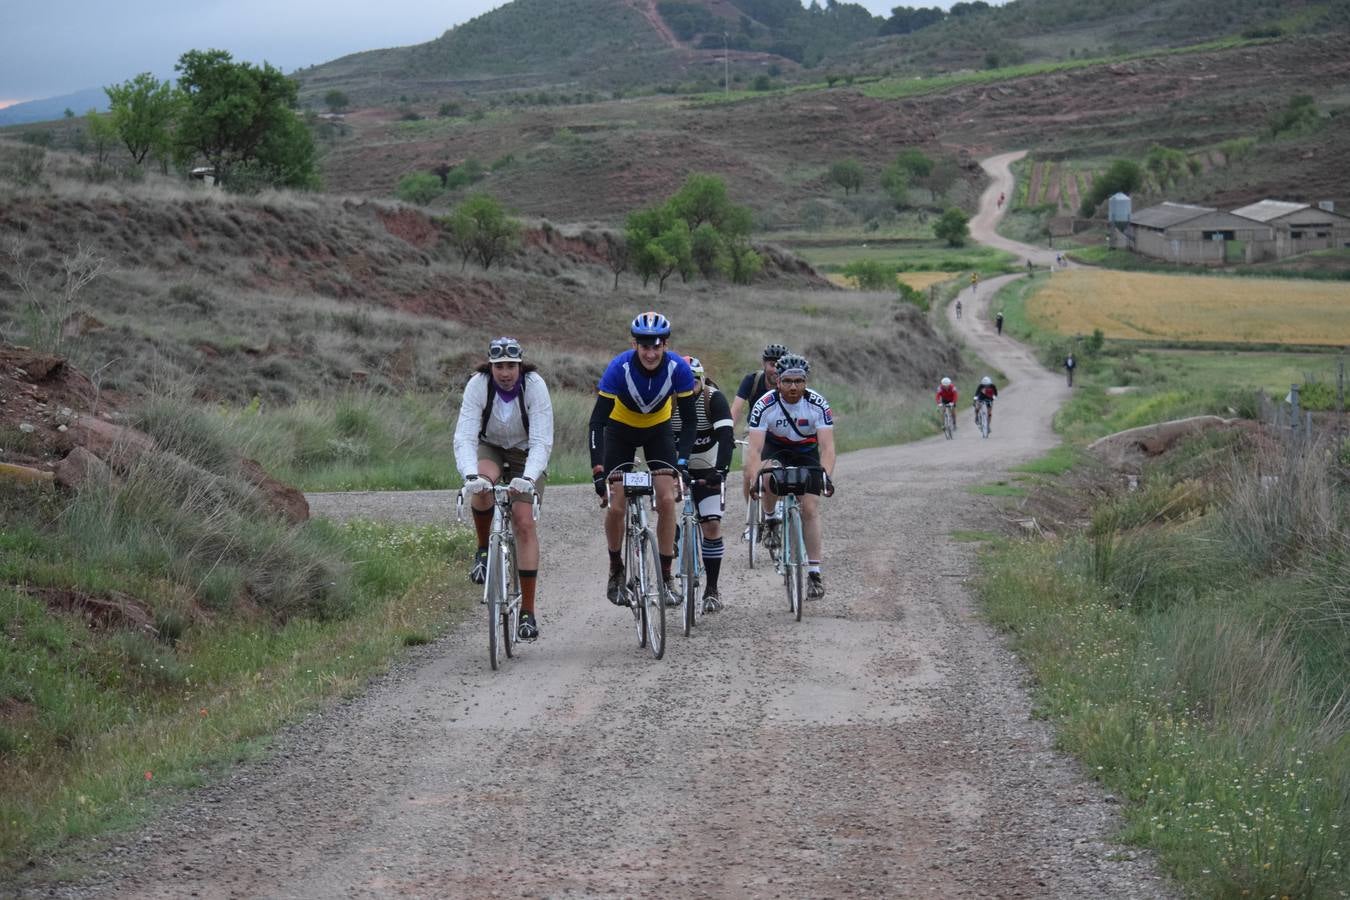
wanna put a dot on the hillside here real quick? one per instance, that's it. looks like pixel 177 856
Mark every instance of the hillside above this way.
pixel 284 297
pixel 597 161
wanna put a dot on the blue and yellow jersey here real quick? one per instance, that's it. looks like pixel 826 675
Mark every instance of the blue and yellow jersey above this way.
pixel 642 400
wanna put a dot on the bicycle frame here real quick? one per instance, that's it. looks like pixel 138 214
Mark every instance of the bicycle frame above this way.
pixel 791 559
pixel 501 587
pixel 948 420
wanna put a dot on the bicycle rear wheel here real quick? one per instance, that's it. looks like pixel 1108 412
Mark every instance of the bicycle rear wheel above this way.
pixel 688 553
pixel 948 425
pixel 794 559
pixel 652 599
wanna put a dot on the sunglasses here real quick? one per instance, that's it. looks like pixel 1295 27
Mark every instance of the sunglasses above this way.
pixel 505 352
pixel 792 382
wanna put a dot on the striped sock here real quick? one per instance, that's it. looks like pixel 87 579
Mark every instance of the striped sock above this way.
pixel 712 560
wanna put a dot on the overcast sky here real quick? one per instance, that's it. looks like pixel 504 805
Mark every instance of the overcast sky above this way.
pixel 54 47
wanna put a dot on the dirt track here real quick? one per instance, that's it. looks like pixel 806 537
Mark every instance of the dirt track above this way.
pixel 882 746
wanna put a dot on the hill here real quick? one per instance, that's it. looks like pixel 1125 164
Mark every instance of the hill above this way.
pixel 53 107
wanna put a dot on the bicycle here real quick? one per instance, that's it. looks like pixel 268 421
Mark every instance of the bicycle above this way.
pixel 754 520
pixel 958 309
pixel 982 414
pixel 501 587
pixel 644 590
pixel 948 421
pixel 688 564
pixel 789 483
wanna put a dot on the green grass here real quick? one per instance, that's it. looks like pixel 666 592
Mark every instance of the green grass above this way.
pixel 1322 265
pixel 1199 680
pixel 931 256
pixel 214 632
pixel 899 88
pixel 999 489
pixel 963 536
pixel 1056 462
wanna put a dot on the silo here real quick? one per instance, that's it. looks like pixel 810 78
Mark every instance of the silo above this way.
pixel 1118 209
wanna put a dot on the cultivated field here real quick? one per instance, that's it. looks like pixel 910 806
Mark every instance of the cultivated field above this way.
pixel 920 281
pixel 1136 306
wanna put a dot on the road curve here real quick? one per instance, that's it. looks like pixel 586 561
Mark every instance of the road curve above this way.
pixel 884 746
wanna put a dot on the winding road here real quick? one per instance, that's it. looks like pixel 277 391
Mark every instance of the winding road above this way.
pixel 883 746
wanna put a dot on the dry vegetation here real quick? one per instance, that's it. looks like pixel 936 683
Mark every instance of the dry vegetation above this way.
pixel 1139 306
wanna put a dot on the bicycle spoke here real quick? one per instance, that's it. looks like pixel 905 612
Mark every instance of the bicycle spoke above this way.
pixel 653 595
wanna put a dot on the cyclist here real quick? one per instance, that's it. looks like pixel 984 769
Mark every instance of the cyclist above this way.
pixel 757 384
pixel 632 410
pixel 505 430
pixel 974 281
pixel 958 309
pixel 985 393
pixel 947 396
pixel 792 425
pixel 709 461
pixel 1069 365
pixel 998 322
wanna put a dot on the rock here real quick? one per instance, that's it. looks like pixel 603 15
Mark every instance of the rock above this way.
pixel 116 445
pixel 288 502
pixel 24 474
pixel 1124 450
pixel 78 467
pixel 78 324
pixel 26 428
pixel 40 366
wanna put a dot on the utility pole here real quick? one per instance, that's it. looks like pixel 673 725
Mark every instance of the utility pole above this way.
pixel 726 66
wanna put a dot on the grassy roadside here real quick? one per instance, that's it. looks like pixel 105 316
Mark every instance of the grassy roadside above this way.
pixel 163 623
pixel 1191 640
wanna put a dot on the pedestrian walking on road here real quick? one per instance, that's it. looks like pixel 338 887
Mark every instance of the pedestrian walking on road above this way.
pixel 1069 366
pixel 998 322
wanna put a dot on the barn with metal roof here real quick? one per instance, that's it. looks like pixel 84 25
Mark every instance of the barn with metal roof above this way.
pixel 1299 227
pixel 1199 235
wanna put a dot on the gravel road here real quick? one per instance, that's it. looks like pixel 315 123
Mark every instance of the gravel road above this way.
pixel 883 746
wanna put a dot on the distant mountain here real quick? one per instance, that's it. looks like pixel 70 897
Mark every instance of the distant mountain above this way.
pixel 54 107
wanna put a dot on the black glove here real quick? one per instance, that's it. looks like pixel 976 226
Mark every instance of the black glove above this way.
pixel 599 482
pixel 829 485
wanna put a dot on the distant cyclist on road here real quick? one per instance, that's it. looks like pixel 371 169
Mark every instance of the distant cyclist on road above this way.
pixel 1069 365
pixel 985 393
pixel 947 395
pixel 974 281
pixel 505 431
pixel 709 462
pixel 998 322
pixel 958 309
pixel 633 406
pixel 792 425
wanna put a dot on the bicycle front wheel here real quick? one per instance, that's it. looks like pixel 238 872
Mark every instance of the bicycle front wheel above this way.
pixel 752 528
pixel 511 606
pixel 948 426
pixel 794 559
pixel 653 601
pixel 689 553
pixel 984 420
pixel 494 592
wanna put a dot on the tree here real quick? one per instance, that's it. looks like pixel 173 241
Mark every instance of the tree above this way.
pixel 237 114
pixel 706 250
pixel 1123 176
pixel 743 263
pixel 942 174
pixel 142 111
pixel 702 198
pixel 101 136
pixel 1165 164
pixel 1299 115
pixel 870 274
pixel 895 182
pixel 418 187
pixel 848 174
pixel 336 101
pixel 952 227
pixel 480 226
pixel 915 162
pixel 616 254
pixel 658 244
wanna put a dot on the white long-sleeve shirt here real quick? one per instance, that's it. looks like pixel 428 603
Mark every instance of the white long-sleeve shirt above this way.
pixel 505 427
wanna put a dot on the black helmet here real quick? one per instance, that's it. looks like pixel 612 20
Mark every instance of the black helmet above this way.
pixel 789 361
pixel 774 351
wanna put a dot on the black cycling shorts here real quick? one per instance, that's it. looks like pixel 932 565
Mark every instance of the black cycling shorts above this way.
pixel 622 443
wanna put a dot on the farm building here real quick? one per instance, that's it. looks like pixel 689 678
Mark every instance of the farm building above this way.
pixel 1200 235
pixel 1299 227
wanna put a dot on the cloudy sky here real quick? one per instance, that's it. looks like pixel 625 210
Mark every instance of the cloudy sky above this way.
pixel 54 47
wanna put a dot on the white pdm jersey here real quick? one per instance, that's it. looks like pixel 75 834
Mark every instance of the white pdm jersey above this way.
pixel 791 424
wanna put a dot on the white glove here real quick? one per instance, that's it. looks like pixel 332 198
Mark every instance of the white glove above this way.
pixel 476 484
pixel 522 485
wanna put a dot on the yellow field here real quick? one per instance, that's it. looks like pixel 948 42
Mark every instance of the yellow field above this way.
pixel 1142 306
pixel 920 281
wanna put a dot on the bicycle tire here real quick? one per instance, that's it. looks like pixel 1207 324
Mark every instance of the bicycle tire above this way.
pixel 689 551
pixel 652 599
pixel 493 592
pixel 983 417
pixel 948 422
pixel 511 608
pixel 752 527
pixel 633 585
pixel 794 559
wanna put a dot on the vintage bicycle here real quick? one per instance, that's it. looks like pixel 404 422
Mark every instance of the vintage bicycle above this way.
pixel 688 565
pixel 501 587
pixel 644 589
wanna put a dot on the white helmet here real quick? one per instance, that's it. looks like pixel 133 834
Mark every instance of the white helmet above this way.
pixel 986 380
pixel 946 382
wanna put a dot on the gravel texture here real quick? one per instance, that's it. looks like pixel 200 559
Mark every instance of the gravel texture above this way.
pixel 884 746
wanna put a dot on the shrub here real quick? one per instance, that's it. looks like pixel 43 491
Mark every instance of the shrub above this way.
pixel 419 187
